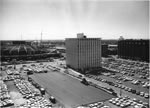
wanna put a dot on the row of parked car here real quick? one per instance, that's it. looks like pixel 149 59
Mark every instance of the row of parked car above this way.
pixel 95 105
pixel 125 102
pixel 36 85
pixel 142 94
pixel 128 67
pixel 53 68
pixel 145 84
pixel 11 77
pixel 37 102
pixel 40 68
pixel 9 72
pixel 107 89
pixel 26 89
pixel 12 72
pixel 36 68
pixel 41 89
pixel 124 78
pixel 4 96
pixel 119 84
pixel 32 94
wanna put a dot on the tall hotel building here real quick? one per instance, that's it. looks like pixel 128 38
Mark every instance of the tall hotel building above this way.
pixel 83 53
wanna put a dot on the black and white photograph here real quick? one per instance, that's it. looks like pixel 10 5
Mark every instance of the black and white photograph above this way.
pixel 74 54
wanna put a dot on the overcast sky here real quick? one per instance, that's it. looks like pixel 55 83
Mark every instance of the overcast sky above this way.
pixel 60 19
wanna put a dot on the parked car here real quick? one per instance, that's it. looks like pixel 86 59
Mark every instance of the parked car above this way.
pixel 52 99
pixel 146 95
pixel 84 81
pixel 137 92
pixel 141 93
pixel 133 90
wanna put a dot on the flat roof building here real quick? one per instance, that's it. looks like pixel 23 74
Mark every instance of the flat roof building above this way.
pixel 134 49
pixel 104 50
pixel 83 53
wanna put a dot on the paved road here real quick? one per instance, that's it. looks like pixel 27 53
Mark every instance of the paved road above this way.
pixel 68 90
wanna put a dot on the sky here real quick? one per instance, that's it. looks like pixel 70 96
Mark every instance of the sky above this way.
pixel 60 19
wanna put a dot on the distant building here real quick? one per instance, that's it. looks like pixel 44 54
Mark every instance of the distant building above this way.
pixel 134 49
pixel 61 49
pixel 18 42
pixel 23 50
pixel 5 43
pixel 83 53
pixel 112 49
pixel 104 50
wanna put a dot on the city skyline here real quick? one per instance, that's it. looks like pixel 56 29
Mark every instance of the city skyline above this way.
pixel 26 19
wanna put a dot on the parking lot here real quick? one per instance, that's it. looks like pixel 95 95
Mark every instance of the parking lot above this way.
pixel 70 91
pixel 127 80
pixel 17 91
pixel 118 89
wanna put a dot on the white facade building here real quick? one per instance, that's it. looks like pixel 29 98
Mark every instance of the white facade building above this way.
pixel 83 53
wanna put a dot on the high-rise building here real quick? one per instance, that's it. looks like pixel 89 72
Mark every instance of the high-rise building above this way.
pixel 134 49
pixel 83 53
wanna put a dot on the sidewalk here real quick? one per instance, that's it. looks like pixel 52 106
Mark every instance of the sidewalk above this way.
pixel 91 81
